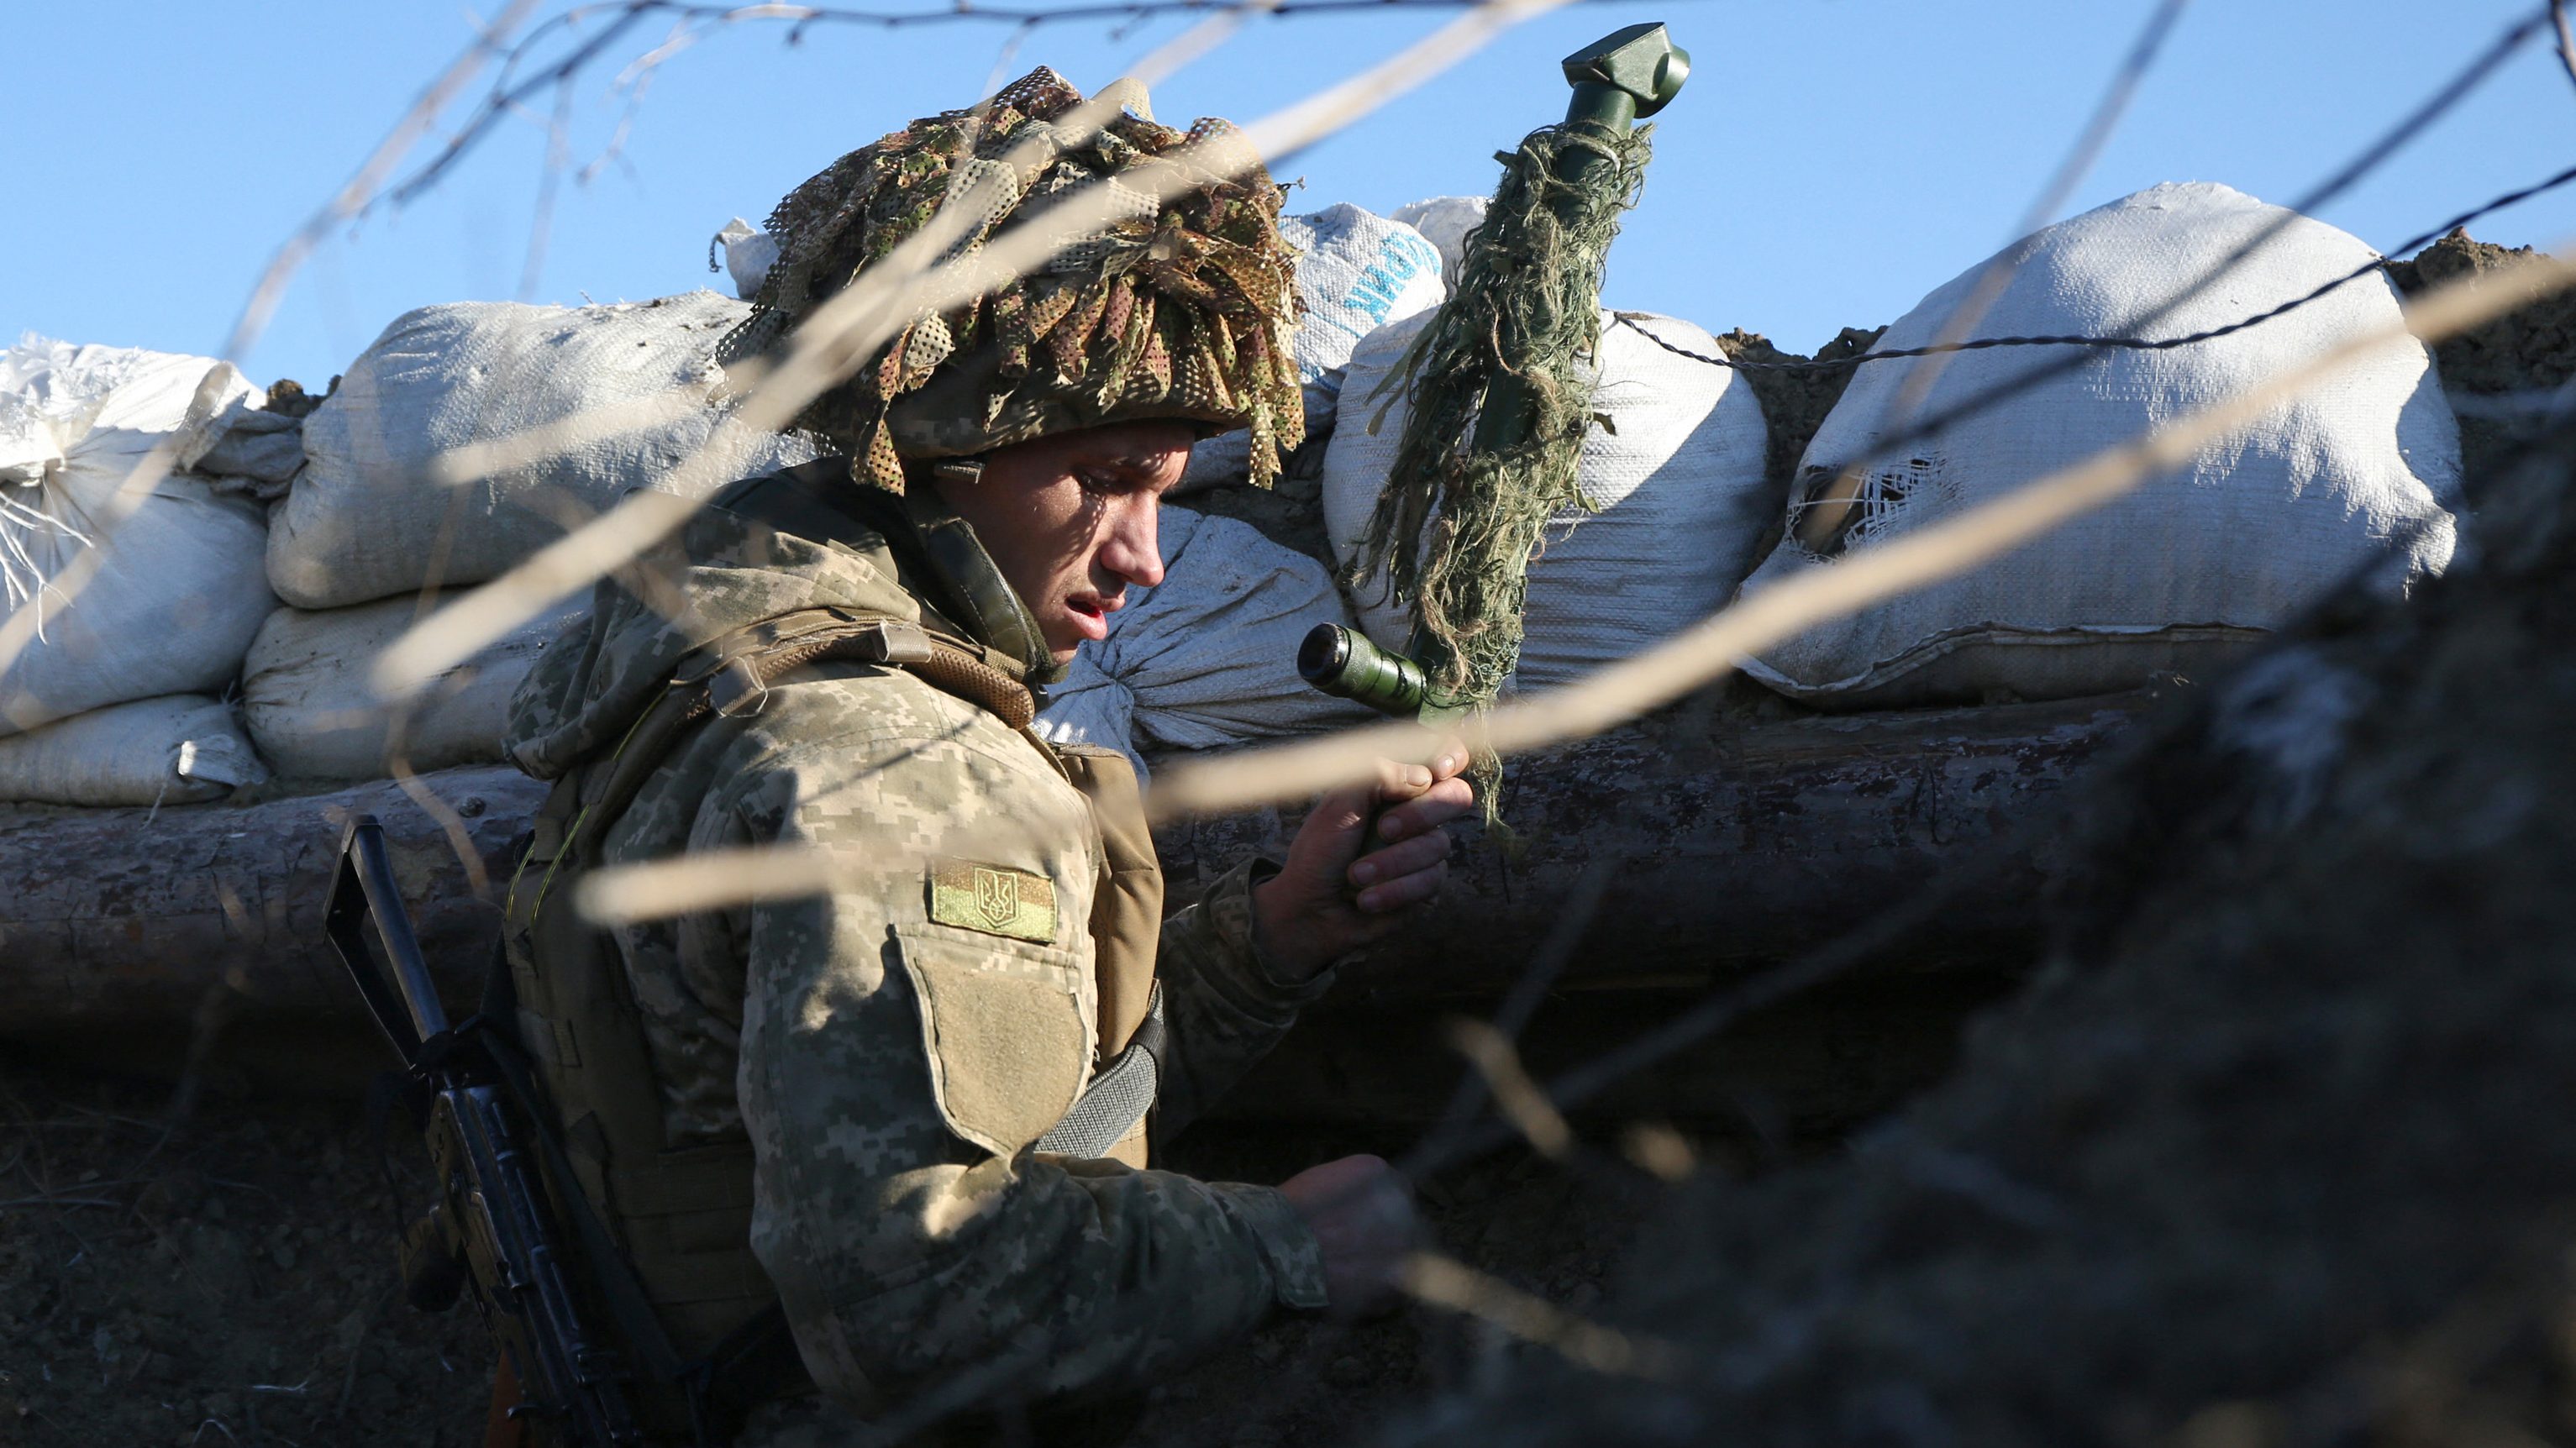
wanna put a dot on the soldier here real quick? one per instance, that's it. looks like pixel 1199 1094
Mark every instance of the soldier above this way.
pixel 849 1112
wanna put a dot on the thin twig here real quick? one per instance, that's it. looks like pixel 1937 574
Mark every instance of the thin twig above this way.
pixel 1516 1096
pixel 1819 520
pixel 1709 649
pixel 829 346
pixel 550 174
pixel 1446 1282
pixel 360 192
pixel 2566 37
pixel 512 90
pixel 1573 921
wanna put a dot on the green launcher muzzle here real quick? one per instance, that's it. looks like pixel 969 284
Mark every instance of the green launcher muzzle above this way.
pixel 1343 663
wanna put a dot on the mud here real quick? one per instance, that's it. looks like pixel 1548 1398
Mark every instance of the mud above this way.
pixel 223 1278
pixel 1794 403
pixel 2531 351
pixel 228 1278
pixel 2268 1157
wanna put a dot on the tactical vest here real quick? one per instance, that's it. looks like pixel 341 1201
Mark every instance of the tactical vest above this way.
pixel 680 1217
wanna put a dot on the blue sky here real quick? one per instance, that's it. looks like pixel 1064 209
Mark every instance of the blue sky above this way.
pixel 1831 161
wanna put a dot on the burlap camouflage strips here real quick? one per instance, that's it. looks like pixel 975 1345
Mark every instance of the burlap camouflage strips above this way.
pixel 885 1065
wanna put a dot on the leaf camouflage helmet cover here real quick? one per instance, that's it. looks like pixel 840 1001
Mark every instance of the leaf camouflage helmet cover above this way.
pixel 1180 309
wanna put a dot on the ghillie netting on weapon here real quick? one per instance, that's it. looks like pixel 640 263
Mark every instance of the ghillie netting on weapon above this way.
pixel 1461 513
pixel 1184 308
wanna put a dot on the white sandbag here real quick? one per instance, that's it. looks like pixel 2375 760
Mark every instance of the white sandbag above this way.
pixel 749 252
pixel 314 715
pixel 178 750
pixel 2195 564
pixel 369 517
pixel 1444 221
pixel 1356 272
pixel 255 451
pixel 1208 657
pixel 179 589
pixel 1679 486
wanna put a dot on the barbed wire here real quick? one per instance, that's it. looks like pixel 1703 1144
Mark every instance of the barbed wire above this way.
pixel 2370 158
pixel 2132 344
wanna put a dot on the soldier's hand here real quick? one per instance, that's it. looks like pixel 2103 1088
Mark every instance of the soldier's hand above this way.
pixel 1344 886
pixel 1362 1218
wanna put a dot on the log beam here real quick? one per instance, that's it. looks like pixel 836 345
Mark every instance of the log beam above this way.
pixel 1733 850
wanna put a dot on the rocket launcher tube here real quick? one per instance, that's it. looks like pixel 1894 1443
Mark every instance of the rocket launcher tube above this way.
pixel 1616 81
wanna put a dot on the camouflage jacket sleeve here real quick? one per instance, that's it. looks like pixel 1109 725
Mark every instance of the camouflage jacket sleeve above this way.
pixel 893 1064
pixel 1225 1004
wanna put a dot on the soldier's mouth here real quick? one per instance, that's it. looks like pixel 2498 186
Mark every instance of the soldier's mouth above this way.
pixel 1091 614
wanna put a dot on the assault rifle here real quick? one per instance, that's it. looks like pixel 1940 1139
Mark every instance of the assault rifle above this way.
pixel 492 1222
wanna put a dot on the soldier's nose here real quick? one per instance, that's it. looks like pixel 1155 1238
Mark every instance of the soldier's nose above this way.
pixel 1133 549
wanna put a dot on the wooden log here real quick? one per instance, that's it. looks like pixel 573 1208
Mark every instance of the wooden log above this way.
pixel 1732 850
pixel 129 919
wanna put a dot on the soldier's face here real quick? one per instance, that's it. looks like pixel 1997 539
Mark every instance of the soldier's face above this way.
pixel 1070 521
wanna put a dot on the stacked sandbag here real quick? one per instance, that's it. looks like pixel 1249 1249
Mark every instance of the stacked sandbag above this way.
pixel 1444 221
pixel 1674 469
pixel 184 749
pixel 1356 273
pixel 254 447
pixel 373 514
pixel 90 438
pixel 2186 571
pixel 1208 657
pixel 314 714
pixel 748 255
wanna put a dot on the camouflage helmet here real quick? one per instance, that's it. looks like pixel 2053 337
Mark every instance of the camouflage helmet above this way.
pixel 1182 309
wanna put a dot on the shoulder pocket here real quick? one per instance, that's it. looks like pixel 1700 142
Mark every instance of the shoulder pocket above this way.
pixel 1007 1027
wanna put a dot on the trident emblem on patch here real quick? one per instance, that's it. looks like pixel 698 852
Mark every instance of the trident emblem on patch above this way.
pixel 998 896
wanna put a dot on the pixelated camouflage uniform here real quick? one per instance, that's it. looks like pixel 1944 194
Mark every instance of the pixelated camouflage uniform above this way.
pixel 888 1068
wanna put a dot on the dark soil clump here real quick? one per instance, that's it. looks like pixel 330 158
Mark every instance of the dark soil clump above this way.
pixel 2530 351
pixel 1795 401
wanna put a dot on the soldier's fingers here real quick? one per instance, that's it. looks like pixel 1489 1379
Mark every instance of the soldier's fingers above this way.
pixel 1398 781
pixel 1403 890
pixel 1436 806
pixel 1419 853
pixel 1449 757
pixel 1336 830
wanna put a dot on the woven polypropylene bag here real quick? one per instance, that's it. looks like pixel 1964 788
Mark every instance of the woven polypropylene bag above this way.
pixel 370 516
pixel 2361 470
pixel 1356 272
pixel 1676 473
pixel 179 750
pixel 314 713
pixel 1444 221
pixel 178 589
pixel 1208 657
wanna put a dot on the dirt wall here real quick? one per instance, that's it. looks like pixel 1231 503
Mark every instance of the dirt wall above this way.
pixel 2267 1157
